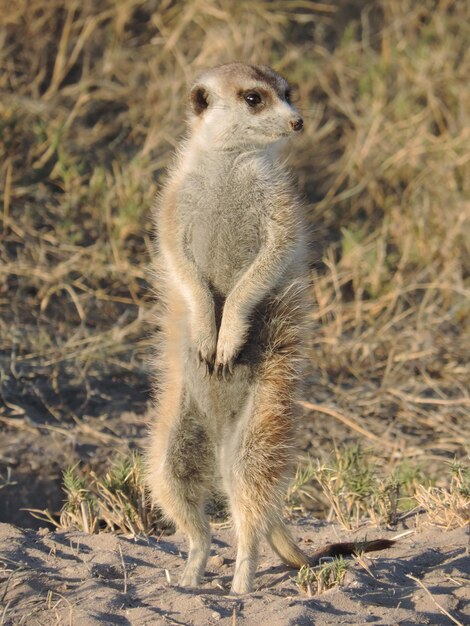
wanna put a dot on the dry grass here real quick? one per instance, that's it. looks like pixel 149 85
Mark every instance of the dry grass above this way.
pixel 448 507
pixel 92 104
pixel 113 502
pixel 352 488
pixel 356 487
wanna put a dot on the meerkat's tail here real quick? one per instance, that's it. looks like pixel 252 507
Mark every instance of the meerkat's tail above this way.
pixel 282 542
pixel 350 548
pixel 289 552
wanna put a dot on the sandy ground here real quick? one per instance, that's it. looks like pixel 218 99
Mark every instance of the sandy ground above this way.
pixel 72 578
pixel 51 578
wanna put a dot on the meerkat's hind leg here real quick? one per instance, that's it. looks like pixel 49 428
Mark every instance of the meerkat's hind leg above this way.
pixel 260 464
pixel 246 563
pixel 182 481
pixel 242 493
pixel 199 537
pixel 250 531
pixel 192 466
pixel 249 534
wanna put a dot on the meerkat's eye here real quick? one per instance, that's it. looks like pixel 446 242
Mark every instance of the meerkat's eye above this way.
pixel 252 98
pixel 288 96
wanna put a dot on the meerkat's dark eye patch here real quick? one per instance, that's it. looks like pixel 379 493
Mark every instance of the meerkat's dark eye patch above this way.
pixel 199 99
pixel 288 96
pixel 252 98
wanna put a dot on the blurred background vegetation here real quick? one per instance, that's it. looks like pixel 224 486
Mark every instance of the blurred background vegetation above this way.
pixel 92 105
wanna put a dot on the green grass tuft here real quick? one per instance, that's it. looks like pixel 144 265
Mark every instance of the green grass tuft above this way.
pixel 317 580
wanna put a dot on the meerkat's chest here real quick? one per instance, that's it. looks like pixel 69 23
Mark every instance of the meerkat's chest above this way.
pixel 224 230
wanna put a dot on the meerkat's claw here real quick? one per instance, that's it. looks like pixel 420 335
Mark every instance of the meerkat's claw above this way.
pixel 228 370
pixel 205 345
pixel 224 371
pixel 201 360
pixel 208 364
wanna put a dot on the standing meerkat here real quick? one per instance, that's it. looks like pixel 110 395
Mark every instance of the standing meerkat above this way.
pixel 230 265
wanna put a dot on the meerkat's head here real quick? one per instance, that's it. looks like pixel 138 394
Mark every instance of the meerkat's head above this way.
pixel 237 105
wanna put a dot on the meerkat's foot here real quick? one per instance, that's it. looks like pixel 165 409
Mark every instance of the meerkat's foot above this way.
pixel 191 578
pixel 232 592
pixel 245 569
pixel 199 546
pixel 239 589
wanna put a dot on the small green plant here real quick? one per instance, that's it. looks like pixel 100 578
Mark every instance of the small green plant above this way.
pixel 77 511
pixel 354 489
pixel 316 580
pixel 300 488
pixel 114 502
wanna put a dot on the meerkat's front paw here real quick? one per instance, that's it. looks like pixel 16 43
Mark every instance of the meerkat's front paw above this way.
pixel 206 345
pixel 231 339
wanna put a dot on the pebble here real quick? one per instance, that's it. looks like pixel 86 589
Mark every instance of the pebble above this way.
pixel 216 562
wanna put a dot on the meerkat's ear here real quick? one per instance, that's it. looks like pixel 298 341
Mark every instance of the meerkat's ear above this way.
pixel 198 99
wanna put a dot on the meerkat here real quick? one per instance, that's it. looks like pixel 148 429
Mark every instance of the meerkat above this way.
pixel 231 270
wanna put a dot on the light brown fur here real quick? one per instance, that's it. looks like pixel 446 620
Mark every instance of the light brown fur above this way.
pixel 230 270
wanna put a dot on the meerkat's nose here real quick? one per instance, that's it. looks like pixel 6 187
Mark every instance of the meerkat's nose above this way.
pixel 297 124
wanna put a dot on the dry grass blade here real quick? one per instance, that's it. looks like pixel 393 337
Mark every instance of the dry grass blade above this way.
pixel 441 608
pixel 124 571
pixel 348 421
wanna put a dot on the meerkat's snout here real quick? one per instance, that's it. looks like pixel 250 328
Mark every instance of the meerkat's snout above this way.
pixel 297 124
